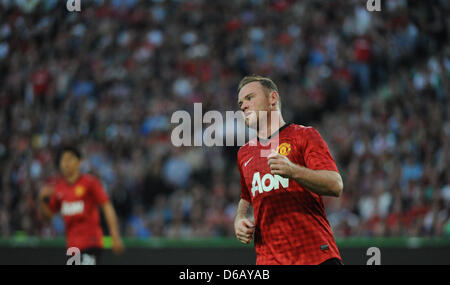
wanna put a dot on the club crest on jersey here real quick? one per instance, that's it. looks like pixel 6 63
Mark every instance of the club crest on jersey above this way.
pixel 79 191
pixel 284 149
pixel 267 183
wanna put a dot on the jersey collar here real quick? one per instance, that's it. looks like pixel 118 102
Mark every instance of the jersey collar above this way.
pixel 265 141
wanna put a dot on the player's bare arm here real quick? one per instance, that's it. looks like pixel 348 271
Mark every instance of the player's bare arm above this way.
pixel 321 182
pixel 111 220
pixel 243 227
pixel 44 196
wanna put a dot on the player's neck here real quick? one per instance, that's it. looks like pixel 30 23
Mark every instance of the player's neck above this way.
pixel 274 123
pixel 73 177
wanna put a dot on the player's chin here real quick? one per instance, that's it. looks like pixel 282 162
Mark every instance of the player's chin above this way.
pixel 251 122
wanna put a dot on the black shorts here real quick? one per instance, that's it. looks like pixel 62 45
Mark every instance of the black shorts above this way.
pixel 91 256
pixel 332 261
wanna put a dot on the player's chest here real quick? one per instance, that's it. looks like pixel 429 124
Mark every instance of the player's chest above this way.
pixel 255 160
pixel 256 171
pixel 74 199
pixel 73 192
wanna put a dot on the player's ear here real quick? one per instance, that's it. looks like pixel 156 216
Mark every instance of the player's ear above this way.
pixel 274 97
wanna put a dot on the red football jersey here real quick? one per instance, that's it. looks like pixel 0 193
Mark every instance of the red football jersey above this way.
pixel 78 204
pixel 291 224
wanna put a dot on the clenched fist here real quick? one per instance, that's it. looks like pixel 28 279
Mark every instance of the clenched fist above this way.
pixel 281 165
pixel 244 229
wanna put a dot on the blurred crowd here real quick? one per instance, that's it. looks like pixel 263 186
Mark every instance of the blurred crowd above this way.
pixel 108 79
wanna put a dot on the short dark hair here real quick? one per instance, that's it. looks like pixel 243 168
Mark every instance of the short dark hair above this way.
pixel 264 81
pixel 67 148
pixel 267 84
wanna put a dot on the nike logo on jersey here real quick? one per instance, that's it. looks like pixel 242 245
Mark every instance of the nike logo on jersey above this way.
pixel 245 164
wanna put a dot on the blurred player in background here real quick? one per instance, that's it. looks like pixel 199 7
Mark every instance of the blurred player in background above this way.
pixel 290 225
pixel 77 196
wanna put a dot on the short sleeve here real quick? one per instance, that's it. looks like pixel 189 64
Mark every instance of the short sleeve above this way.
pixel 99 193
pixel 54 203
pixel 316 154
pixel 245 195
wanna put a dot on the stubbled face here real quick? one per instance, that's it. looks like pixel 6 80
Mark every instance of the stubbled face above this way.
pixel 69 163
pixel 252 100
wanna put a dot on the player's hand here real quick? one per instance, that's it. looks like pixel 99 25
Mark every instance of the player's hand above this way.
pixel 117 246
pixel 281 165
pixel 46 191
pixel 244 229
